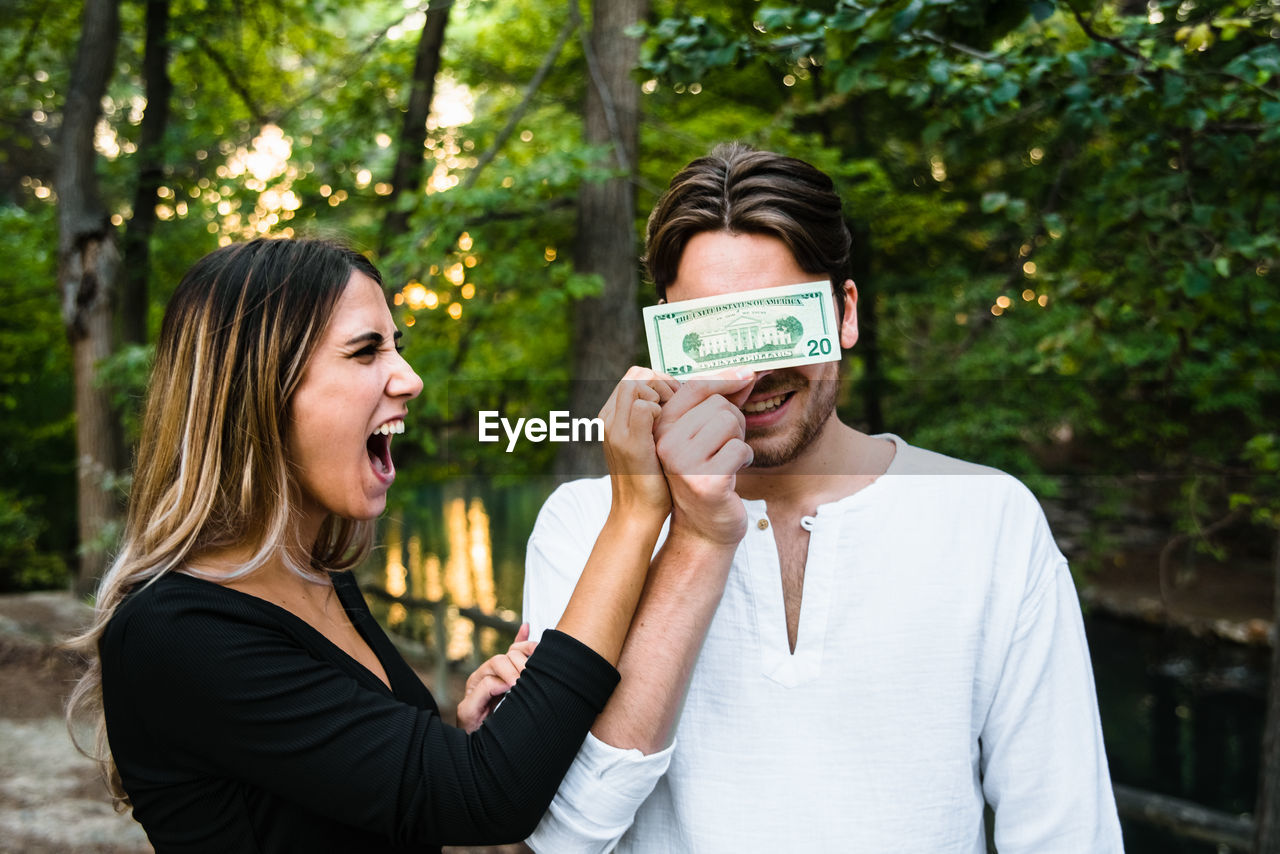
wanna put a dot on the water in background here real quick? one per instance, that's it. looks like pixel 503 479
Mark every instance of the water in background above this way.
pixel 1180 717
pixel 462 542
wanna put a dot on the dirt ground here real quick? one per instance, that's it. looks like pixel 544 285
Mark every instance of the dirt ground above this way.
pixel 51 800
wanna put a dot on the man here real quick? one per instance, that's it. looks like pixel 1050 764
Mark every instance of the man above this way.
pixel 844 643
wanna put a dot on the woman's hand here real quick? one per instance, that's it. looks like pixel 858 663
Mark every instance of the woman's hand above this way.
pixel 629 415
pixel 492 680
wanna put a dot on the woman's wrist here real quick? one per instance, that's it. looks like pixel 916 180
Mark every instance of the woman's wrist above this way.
pixel 636 517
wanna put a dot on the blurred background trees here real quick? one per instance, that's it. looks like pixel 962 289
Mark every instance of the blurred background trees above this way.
pixel 1065 217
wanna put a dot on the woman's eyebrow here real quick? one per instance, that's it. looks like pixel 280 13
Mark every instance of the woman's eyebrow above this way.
pixel 372 337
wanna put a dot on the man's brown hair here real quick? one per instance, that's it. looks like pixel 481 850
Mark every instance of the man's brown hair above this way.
pixel 741 190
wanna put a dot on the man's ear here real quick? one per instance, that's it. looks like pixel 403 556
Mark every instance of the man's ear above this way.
pixel 849 325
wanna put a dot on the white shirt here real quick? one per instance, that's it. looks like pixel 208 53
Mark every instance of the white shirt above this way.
pixel 940 662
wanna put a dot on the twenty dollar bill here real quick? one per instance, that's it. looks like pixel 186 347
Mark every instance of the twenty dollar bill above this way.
pixel 769 328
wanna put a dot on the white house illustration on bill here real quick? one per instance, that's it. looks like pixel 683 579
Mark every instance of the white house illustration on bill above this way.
pixel 745 333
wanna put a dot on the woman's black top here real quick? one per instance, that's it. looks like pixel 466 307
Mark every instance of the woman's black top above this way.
pixel 237 727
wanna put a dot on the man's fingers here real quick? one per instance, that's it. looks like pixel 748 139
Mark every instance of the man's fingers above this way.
pixel 734 456
pixel 523 634
pixel 696 390
pixel 689 445
pixel 721 422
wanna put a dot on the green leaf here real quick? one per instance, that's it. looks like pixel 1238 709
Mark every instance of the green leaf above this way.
pixel 1005 92
pixel 992 202
pixel 847 79
pixel 1195 283
pixel 904 19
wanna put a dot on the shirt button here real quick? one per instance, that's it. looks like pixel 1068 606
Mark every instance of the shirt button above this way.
pixel 762 524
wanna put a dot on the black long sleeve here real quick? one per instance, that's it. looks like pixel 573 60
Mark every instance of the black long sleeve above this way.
pixel 238 727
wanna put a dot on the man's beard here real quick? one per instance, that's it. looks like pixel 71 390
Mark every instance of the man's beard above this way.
pixel 773 451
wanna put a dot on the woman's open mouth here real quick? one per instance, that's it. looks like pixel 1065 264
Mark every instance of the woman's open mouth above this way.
pixel 378 446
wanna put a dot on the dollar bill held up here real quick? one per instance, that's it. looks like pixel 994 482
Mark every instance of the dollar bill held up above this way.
pixel 778 327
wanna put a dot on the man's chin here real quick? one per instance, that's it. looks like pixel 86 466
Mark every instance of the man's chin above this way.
pixel 772 453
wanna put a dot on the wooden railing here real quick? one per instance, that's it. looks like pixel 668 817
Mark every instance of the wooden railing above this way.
pixel 1185 818
pixel 439 609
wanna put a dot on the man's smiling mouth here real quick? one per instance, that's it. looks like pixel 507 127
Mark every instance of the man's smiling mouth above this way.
pixel 767 404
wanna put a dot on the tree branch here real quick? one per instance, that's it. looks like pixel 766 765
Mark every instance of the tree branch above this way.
pixel 28 41
pixel 961 48
pixel 602 88
pixel 1227 74
pixel 136 244
pixel 407 173
pixel 1098 37
pixel 535 82
pixel 241 91
pixel 1175 542
pixel 359 58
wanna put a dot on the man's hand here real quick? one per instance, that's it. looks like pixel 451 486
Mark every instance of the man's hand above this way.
pixel 492 680
pixel 701 441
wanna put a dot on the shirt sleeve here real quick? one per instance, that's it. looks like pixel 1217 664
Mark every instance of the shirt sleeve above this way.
pixel 1044 769
pixel 598 799
pixel 234 697
pixel 605 785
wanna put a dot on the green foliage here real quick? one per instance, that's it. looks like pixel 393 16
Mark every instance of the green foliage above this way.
pixel 37 458
pixel 488 292
pixel 1262 453
pixel 1066 215
pixel 124 374
pixel 22 565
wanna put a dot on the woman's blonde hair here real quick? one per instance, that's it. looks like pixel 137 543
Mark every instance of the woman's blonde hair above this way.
pixel 212 470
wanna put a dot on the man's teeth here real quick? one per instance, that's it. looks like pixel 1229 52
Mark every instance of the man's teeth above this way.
pixel 765 405
pixel 391 428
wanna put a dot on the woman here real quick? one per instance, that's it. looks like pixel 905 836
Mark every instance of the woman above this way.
pixel 249 700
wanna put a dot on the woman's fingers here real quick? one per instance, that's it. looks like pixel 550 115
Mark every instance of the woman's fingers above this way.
pixel 492 679
pixel 519 653
pixel 480 700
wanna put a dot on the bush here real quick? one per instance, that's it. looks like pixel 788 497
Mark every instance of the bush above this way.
pixel 23 566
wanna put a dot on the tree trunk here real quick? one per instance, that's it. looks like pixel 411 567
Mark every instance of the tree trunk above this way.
pixel 407 176
pixel 136 244
pixel 87 266
pixel 1267 813
pixel 605 327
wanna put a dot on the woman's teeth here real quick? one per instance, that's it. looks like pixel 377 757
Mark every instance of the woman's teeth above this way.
pixel 754 406
pixel 391 428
